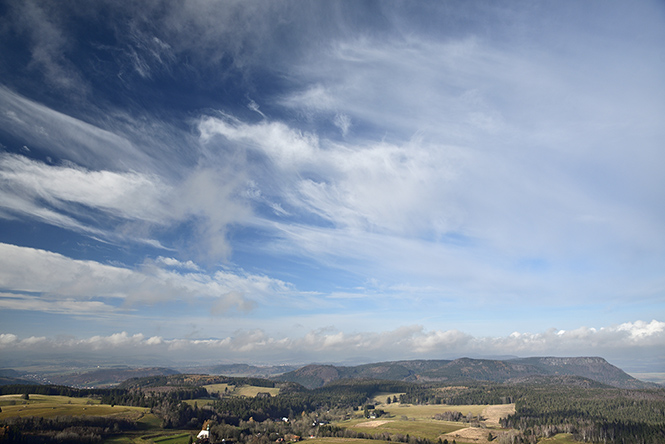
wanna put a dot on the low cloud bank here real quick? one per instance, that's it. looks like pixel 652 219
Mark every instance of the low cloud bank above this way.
pixel 634 342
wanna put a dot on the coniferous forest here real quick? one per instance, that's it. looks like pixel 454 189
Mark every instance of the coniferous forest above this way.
pixel 596 414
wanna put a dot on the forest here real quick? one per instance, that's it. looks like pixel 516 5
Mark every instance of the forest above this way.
pixel 590 413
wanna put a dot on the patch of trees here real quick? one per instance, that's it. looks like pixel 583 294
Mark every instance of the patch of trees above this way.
pixel 607 415
pixel 192 381
pixel 354 392
pixel 472 393
pixel 449 416
pixel 591 415
pixel 54 390
pixel 62 429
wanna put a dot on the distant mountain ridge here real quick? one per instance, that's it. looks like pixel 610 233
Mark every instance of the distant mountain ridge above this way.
pixel 580 371
pixel 467 369
pixel 265 371
pixel 108 377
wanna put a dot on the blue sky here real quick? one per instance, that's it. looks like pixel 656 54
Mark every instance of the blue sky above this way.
pixel 294 182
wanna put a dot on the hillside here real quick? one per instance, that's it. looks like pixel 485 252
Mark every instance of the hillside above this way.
pixel 239 370
pixel 9 377
pixel 466 369
pixel 593 368
pixel 107 377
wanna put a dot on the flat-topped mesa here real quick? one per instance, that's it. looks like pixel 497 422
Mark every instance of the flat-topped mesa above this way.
pixel 468 369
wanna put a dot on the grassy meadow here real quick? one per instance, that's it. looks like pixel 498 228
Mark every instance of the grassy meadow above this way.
pixel 561 438
pixel 428 411
pixel 346 441
pixel 249 391
pixel 402 419
pixel 429 429
pixel 51 406
pixel 417 421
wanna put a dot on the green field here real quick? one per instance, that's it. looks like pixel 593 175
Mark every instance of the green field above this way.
pixel 249 391
pixel 429 429
pixel 219 388
pixel 172 437
pixel 181 438
pixel 402 419
pixel 428 411
pixel 51 406
pixel 381 397
pixel 561 438
pixel 346 441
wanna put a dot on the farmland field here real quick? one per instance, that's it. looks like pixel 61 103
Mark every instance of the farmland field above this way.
pixel 219 388
pixel 172 437
pixel 181 438
pixel 380 398
pixel 50 406
pixel 417 421
pixel 428 411
pixel 561 438
pixel 429 429
pixel 346 441
pixel 244 390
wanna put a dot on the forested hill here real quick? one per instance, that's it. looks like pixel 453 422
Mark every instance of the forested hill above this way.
pixel 466 369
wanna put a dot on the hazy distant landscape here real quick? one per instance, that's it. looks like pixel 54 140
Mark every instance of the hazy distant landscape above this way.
pixel 527 400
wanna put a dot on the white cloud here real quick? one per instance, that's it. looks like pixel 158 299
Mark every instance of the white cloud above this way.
pixel 520 166
pixel 343 122
pixel 129 195
pixel 7 339
pixel 68 306
pixel 328 345
pixel 70 286
pixel 65 195
pixel 641 330
pixel 171 262
pixel 69 138
pixel 382 187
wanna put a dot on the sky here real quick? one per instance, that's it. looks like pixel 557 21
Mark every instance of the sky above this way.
pixel 344 181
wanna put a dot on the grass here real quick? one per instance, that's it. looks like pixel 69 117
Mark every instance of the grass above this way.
pixel 428 411
pixel 50 406
pixel 149 421
pixel 249 391
pixel 346 441
pixel 172 437
pixel 182 438
pixel 219 388
pixel 561 438
pixel 7 400
pixel 429 429
pixel 381 397
pixel 414 420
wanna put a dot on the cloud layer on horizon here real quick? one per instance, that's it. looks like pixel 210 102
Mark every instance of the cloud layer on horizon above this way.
pixel 618 343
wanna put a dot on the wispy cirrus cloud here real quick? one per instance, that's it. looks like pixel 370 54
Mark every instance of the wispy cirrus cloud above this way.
pixel 100 203
pixel 401 162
